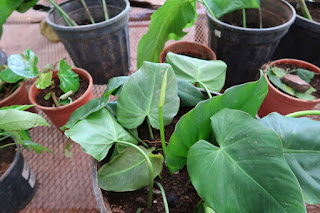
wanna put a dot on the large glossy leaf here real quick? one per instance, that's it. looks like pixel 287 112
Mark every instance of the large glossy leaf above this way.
pixel 166 23
pixel 97 133
pixel 301 146
pixel 24 64
pixel 189 95
pixel 195 125
pixel 69 80
pixel 139 98
pixel 26 5
pixel 129 170
pixel 10 77
pixel 15 120
pixel 221 7
pixel 115 85
pixel 247 171
pixel 211 74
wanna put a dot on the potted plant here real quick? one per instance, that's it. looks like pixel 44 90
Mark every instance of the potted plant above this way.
pixel 293 86
pixel 17 182
pixel 242 47
pixel 59 92
pixel 95 34
pixel 302 40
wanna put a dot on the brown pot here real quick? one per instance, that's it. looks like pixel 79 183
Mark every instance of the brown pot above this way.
pixel 189 49
pixel 60 115
pixel 18 97
pixel 277 101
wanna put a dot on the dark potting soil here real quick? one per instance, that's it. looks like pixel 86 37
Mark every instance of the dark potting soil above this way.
pixel 49 103
pixel 7 155
pixel 315 81
pixel 181 195
pixel 314 10
pixel 7 90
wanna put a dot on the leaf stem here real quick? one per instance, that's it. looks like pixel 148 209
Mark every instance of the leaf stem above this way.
pixel 88 11
pixel 304 9
pixel 105 9
pixel 137 138
pixel 160 108
pixel 206 88
pixel 54 98
pixel 244 18
pixel 151 174
pixel 150 129
pixel 65 16
pixel 260 17
pixel 303 113
pixel 208 8
pixel 6 145
pixel 164 198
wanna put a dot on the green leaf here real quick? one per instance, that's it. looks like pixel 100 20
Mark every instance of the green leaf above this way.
pixel 10 77
pixel 69 80
pixel 247 170
pixel 305 75
pixel 195 125
pixel 47 96
pixel 23 137
pixel 97 133
pixel 15 120
pixel 6 8
pixel 140 97
pixel 221 7
pixel 115 85
pixel 44 80
pixel 279 72
pixel 288 89
pixel 275 80
pixel 84 111
pixel 189 95
pixel 305 96
pixel 167 23
pixel 301 147
pixel 212 74
pixel 202 207
pixel 24 64
pixel 129 170
pixel 26 5
pixel 17 107
pixel 67 149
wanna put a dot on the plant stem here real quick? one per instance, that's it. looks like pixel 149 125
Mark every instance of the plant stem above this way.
pixel 54 98
pixel 160 108
pixel 164 198
pixel 9 144
pixel 206 88
pixel 208 8
pixel 304 9
pixel 260 17
pixel 88 11
pixel 303 113
pixel 244 18
pixel 150 170
pixel 138 139
pixel 65 16
pixel 105 9
pixel 150 129
pixel 188 183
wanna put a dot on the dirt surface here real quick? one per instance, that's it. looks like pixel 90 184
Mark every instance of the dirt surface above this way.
pixel 7 155
pixel 314 10
pixel 180 194
pixel 7 90
pixel 49 103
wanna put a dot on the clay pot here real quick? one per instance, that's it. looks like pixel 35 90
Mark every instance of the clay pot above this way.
pixel 277 101
pixel 60 115
pixel 18 97
pixel 189 49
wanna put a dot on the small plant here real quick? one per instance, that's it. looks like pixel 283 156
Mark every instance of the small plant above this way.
pixel 304 9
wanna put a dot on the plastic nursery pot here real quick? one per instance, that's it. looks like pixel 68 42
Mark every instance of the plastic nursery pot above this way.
pixel 302 40
pixel 18 97
pixel 277 101
pixel 191 49
pixel 17 185
pixel 60 115
pixel 101 48
pixel 245 50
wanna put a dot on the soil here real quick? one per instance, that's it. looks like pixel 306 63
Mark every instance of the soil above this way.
pixel 181 196
pixel 49 103
pixel 315 81
pixel 7 155
pixel 7 90
pixel 314 10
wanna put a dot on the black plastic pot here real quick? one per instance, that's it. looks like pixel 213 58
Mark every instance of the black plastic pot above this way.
pixel 245 50
pixel 17 185
pixel 302 40
pixel 102 48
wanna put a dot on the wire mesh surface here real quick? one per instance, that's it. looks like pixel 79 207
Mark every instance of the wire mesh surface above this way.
pixel 64 184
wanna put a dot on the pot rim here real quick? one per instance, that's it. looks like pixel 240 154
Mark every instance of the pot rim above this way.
pixel 22 84
pixel 76 70
pixel 88 27
pixel 13 164
pixel 262 30
pixel 278 92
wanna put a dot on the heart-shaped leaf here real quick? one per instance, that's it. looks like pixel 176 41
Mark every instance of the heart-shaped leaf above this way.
pixel 247 172
pixel 115 85
pixel 301 147
pixel 69 80
pixel 209 74
pixel 246 97
pixel 97 133
pixel 129 170
pixel 140 95
pixel 189 95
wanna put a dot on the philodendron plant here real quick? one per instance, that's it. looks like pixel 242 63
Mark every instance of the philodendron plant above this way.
pixel 169 21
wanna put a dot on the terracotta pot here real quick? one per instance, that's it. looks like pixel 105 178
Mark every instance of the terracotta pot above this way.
pixel 60 115
pixel 18 97
pixel 277 101
pixel 190 49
